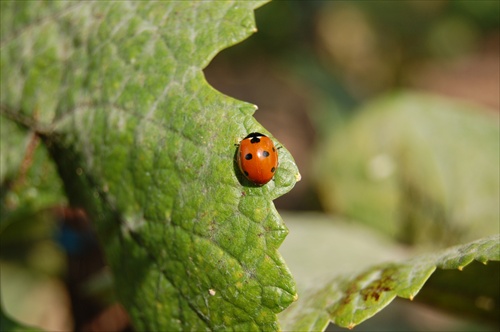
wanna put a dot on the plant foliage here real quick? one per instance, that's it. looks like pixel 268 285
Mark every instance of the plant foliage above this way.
pixel 348 300
pixel 115 91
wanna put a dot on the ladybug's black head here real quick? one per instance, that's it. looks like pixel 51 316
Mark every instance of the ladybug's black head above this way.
pixel 255 137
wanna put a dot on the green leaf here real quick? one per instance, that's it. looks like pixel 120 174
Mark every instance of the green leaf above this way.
pixel 8 324
pixel 349 299
pixel 421 168
pixel 146 146
pixel 26 294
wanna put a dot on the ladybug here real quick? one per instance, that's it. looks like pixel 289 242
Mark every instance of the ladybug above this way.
pixel 257 158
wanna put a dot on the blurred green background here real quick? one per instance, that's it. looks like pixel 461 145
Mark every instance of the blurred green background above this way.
pixel 391 111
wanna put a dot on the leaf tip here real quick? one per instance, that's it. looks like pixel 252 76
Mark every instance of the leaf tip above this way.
pixel 351 326
pixel 298 177
pixel 460 268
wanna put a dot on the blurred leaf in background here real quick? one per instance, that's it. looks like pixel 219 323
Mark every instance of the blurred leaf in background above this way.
pixel 9 324
pixel 352 296
pixel 420 168
pixel 31 262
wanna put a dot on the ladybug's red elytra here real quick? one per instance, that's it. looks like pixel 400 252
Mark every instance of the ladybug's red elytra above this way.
pixel 257 158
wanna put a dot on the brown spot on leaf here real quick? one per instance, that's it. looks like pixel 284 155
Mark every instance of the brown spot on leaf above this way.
pixel 376 288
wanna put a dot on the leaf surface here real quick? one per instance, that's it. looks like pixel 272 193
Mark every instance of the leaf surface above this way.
pixel 144 143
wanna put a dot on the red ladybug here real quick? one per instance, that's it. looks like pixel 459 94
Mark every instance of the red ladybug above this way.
pixel 257 158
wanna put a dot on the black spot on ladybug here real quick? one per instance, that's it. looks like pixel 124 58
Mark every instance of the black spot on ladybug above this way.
pixel 248 156
pixel 272 170
pixel 265 153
